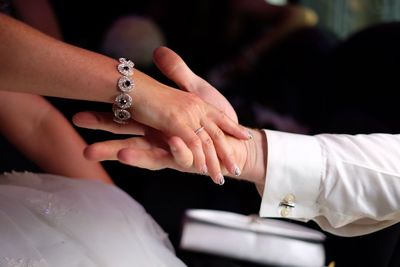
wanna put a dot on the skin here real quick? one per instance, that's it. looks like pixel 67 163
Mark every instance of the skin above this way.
pixel 33 62
pixel 154 150
pixel 37 128
pixel 45 136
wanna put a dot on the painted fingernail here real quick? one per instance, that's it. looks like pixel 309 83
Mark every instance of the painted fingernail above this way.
pixel 221 179
pixel 204 170
pixel 237 170
pixel 250 135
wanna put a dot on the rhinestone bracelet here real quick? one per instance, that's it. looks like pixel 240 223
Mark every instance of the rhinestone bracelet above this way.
pixel 123 101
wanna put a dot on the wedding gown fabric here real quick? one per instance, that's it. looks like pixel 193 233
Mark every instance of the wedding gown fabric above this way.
pixel 53 221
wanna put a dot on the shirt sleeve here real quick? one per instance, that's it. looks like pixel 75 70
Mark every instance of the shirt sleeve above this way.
pixel 348 184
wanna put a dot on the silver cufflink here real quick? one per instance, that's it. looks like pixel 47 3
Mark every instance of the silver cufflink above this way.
pixel 287 204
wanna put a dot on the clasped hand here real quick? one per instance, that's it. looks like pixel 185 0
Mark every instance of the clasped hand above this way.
pixel 166 138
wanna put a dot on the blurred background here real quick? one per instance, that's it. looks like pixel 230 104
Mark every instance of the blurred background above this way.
pixel 306 66
pixel 344 17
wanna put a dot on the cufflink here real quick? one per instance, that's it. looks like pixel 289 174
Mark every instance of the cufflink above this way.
pixel 286 205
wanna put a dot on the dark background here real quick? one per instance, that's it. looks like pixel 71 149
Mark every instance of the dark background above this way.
pixel 327 84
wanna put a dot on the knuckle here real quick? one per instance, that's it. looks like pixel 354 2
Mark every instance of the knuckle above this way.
pixel 208 143
pixel 221 114
pixel 218 115
pixel 217 134
pixel 195 142
pixel 227 156
pixel 194 103
pixel 174 124
pixel 173 118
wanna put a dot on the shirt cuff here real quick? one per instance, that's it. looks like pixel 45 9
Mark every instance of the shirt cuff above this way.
pixel 293 177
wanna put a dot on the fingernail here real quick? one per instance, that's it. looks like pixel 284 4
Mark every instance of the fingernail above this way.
pixel 221 179
pixel 250 135
pixel 236 170
pixel 204 170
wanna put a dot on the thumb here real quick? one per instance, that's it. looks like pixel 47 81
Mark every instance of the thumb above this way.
pixel 174 68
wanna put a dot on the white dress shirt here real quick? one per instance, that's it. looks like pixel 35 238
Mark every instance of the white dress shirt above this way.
pixel 348 184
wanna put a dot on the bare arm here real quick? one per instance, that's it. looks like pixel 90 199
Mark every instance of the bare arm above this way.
pixel 36 63
pixel 33 62
pixel 34 126
pixel 43 134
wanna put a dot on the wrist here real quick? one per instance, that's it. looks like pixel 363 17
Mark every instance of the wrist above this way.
pixel 146 98
pixel 255 166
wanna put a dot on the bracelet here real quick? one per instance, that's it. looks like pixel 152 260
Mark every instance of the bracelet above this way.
pixel 123 101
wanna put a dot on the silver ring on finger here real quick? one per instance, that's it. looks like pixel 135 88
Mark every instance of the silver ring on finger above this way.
pixel 198 130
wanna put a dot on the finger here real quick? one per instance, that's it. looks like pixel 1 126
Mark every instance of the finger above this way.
pixel 229 126
pixel 223 149
pixel 108 150
pixel 181 153
pixel 152 159
pixel 214 169
pixel 103 150
pixel 104 121
pixel 174 68
pixel 196 147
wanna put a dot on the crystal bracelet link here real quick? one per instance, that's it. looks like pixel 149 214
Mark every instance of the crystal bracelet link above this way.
pixel 123 101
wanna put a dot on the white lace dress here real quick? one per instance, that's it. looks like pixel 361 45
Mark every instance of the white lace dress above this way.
pixel 52 221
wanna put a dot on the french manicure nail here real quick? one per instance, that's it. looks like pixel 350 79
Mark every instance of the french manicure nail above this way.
pixel 204 170
pixel 249 135
pixel 236 170
pixel 221 179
